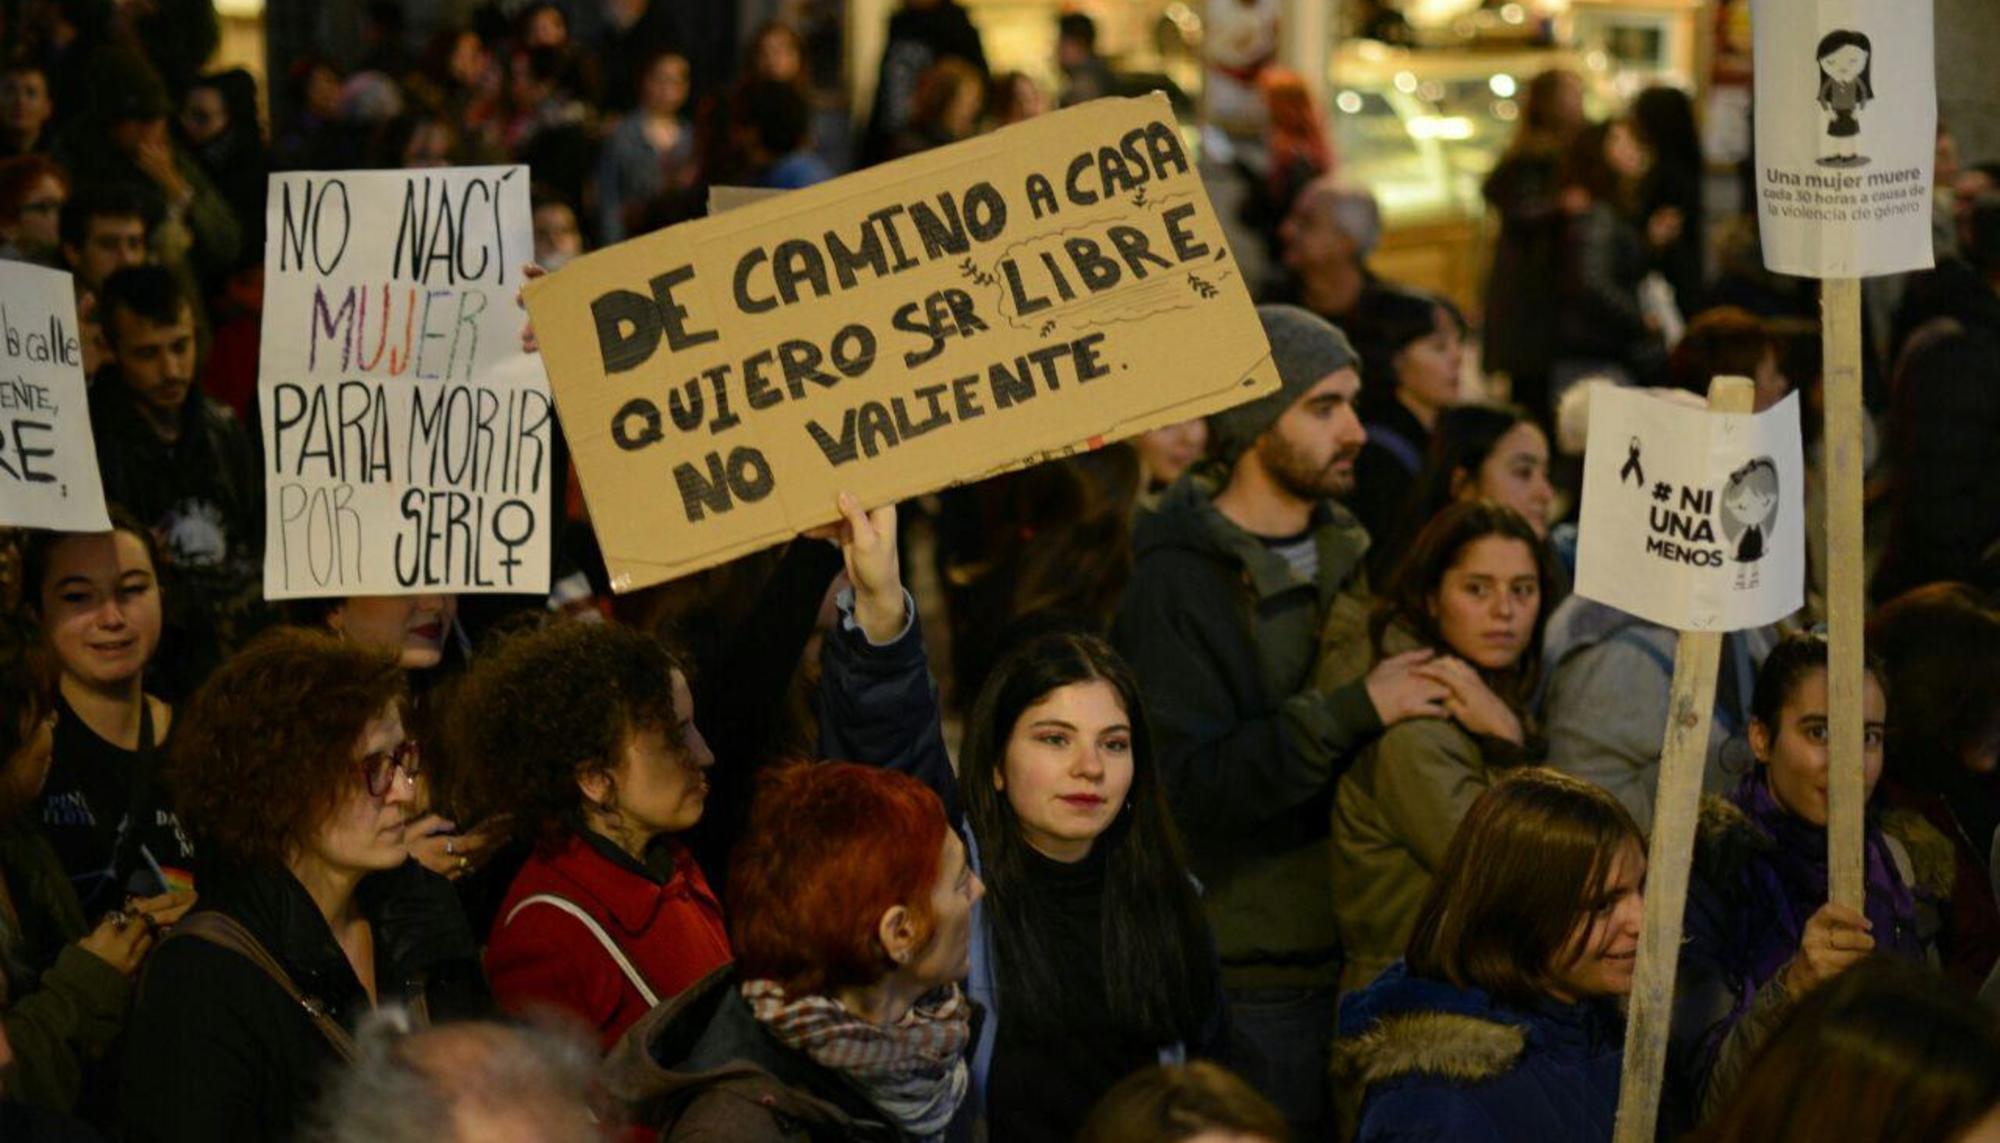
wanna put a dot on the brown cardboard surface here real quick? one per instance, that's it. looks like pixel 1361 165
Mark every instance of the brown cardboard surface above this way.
pixel 668 354
pixel 723 199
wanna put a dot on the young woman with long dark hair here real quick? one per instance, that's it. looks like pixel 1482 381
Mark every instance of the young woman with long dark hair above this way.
pixel 1091 953
pixel 1761 932
pixel 1092 948
pixel 1471 590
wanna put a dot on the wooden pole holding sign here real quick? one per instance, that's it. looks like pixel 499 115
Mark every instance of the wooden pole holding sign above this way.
pixel 1846 128
pixel 1676 811
pixel 1840 316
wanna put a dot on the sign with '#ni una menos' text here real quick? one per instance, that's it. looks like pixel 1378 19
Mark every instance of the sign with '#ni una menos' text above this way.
pixel 1692 519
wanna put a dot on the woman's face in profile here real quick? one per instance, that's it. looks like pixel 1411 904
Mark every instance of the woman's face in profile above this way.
pixel 947 956
pixel 1604 945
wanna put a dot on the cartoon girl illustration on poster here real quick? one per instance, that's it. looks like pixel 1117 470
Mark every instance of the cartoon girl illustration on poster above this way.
pixel 1750 508
pixel 1846 84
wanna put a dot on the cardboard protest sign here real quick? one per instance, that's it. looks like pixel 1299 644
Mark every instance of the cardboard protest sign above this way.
pixel 48 459
pixel 407 438
pixel 1022 295
pixel 1692 519
pixel 1846 112
pixel 723 199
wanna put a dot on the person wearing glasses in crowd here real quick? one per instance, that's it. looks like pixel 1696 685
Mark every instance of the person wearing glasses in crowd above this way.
pixel 292 768
pixel 33 189
pixel 424 633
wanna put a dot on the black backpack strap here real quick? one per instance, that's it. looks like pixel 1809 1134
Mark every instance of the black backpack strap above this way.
pixel 126 856
pixel 221 929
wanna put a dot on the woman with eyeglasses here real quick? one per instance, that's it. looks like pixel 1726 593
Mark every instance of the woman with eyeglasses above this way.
pixel 424 634
pixel 33 189
pixel 292 767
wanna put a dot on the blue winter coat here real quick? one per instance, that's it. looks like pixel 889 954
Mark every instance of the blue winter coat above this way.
pixel 1439 1062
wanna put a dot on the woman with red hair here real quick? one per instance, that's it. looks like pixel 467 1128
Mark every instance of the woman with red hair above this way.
pixel 842 1017
pixel 585 736
pixel 1296 136
pixel 1092 957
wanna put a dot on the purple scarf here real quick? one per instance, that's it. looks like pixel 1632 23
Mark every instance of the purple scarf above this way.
pixel 1788 885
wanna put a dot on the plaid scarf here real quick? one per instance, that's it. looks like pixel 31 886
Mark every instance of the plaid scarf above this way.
pixel 913 1070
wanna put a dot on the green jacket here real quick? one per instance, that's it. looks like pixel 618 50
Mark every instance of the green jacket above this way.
pixel 1393 816
pixel 1225 639
pixel 63 1006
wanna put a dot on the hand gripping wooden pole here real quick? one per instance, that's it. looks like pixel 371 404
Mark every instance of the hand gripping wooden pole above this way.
pixel 1676 808
pixel 1840 316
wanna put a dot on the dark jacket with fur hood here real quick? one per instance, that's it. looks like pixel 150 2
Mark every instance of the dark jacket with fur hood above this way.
pixel 1431 1060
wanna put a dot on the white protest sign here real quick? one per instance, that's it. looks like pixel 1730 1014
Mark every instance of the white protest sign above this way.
pixel 1692 519
pixel 1846 111
pixel 48 460
pixel 407 438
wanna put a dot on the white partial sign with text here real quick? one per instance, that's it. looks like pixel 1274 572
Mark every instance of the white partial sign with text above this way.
pixel 1692 519
pixel 407 438
pixel 48 459
pixel 1846 111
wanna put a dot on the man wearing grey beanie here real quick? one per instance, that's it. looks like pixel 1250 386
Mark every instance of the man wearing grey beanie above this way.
pixel 1234 579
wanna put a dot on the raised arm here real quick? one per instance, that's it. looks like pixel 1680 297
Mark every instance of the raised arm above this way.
pixel 877 702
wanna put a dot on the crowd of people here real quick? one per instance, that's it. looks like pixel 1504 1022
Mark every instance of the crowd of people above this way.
pixel 1262 778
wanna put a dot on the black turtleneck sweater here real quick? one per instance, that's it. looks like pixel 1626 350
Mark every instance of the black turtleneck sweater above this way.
pixel 1043 1082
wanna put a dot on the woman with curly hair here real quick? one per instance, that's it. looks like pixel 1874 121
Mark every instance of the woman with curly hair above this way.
pixel 584 735
pixel 292 768
pixel 424 633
